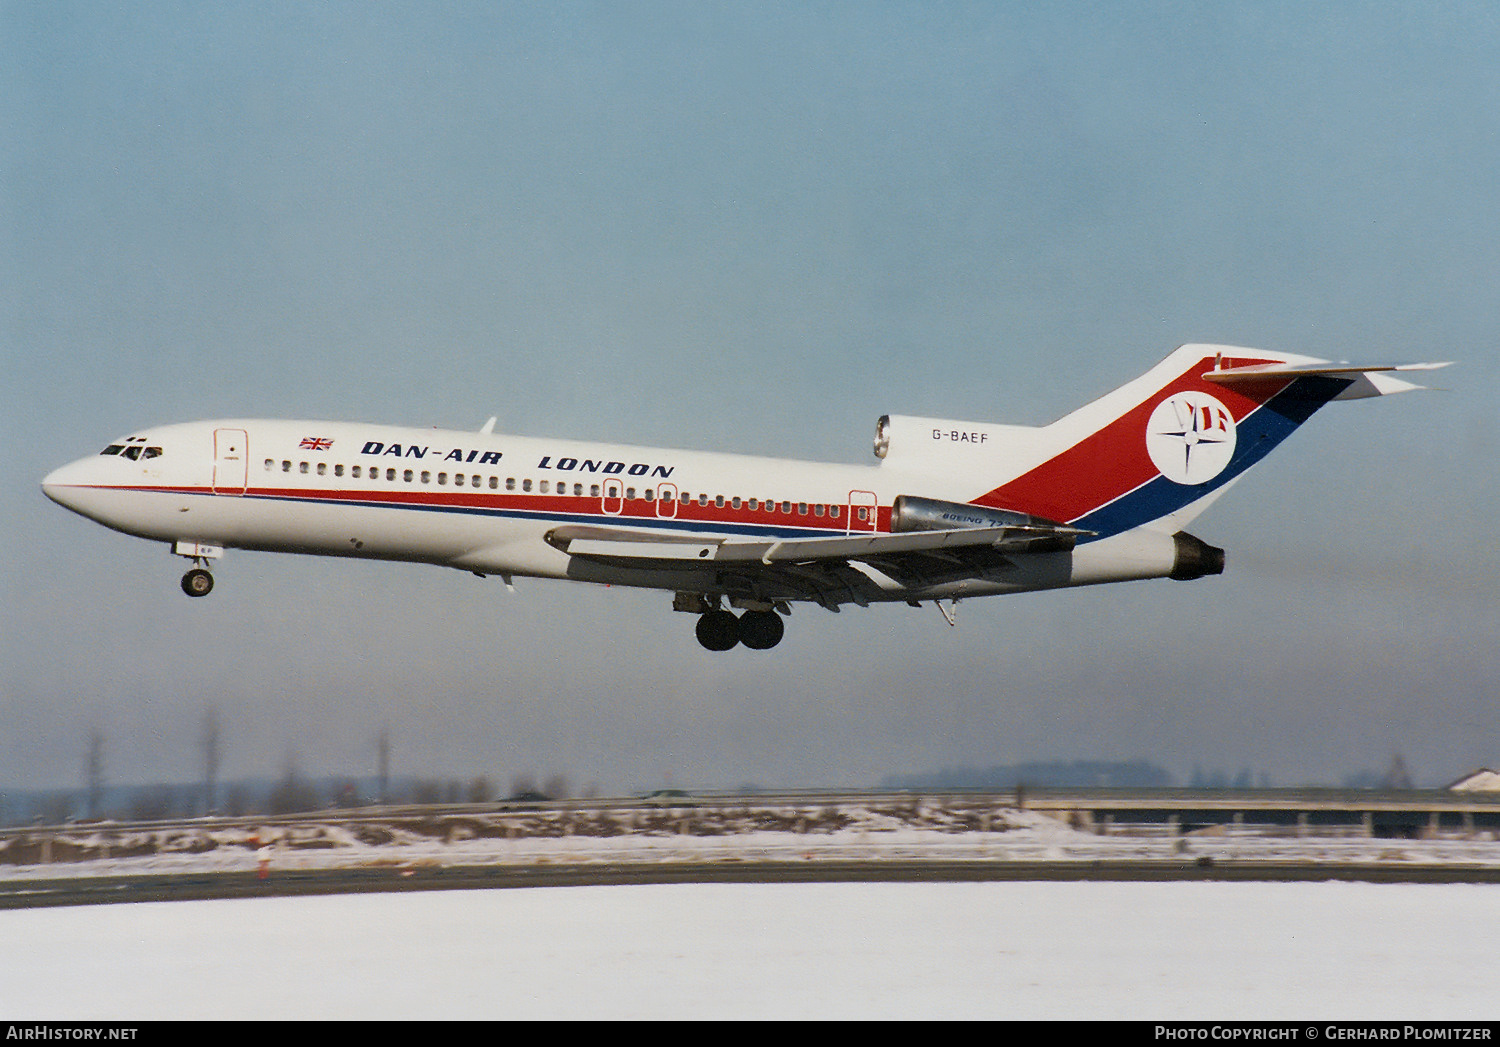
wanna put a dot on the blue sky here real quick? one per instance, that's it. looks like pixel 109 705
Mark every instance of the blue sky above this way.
pixel 750 227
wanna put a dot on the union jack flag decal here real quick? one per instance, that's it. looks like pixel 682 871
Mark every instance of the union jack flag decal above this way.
pixel 316 443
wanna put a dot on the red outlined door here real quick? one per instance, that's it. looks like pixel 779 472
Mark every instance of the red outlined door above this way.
pixel 666 501
pixel 614 497
pixel 231 461
pixel 863 512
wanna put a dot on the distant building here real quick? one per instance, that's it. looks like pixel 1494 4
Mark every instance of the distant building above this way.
pixel 1483 780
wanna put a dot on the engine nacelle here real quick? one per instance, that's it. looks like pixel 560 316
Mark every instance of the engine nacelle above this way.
pixel 912 513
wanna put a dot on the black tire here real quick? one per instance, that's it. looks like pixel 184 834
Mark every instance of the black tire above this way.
pixel 718 630
pixel 197 582
pixel 761 630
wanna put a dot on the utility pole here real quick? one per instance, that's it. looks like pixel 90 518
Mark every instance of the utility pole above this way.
pixel 211 754
pixel 95 766
pixel 383 765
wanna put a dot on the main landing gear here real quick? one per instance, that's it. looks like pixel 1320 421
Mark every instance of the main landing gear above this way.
pixel 720 630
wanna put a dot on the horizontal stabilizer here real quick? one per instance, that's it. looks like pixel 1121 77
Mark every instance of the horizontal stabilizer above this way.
pixel 1365 381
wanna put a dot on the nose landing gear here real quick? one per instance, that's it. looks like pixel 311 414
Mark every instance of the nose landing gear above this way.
pixel 198 582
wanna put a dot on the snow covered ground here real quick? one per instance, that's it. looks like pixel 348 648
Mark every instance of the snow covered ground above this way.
pixel 956 831
pixel 1186 950
pixel 1209 951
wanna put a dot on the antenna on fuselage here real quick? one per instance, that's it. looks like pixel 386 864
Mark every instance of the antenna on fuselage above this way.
pixel 489 427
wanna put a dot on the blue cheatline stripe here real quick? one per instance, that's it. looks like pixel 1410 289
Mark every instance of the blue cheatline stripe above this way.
pixel 1256 437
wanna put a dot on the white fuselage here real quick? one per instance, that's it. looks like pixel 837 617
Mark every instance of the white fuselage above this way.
pixel 486 502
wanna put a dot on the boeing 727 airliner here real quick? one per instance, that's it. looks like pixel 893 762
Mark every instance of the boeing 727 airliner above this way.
pixel 950 509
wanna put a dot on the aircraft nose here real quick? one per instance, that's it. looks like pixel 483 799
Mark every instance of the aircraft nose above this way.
pixel 62 485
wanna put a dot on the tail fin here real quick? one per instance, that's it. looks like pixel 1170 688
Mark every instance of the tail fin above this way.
pixel 1157 451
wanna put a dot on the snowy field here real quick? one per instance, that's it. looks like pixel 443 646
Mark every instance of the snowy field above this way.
pixel 1187 950
pixel 953 830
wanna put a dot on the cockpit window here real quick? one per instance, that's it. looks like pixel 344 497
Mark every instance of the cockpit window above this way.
pixel 135 449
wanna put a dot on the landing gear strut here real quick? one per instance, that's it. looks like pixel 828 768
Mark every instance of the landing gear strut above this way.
pixel 197 582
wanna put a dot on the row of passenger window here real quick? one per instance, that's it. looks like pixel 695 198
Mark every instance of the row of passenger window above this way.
pixel 545 487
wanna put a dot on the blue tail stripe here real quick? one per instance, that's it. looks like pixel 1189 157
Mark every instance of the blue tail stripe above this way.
pixel 1257 436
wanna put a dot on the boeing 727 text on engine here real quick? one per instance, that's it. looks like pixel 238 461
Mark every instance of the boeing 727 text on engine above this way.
pixel 950 510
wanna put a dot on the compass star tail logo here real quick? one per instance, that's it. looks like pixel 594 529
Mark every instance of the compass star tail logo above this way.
pixel 1190 437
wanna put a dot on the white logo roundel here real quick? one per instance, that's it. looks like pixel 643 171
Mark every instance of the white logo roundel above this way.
pixel 1190 437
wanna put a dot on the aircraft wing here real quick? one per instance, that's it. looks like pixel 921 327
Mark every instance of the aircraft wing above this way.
pixel 828 570
pixel 624 544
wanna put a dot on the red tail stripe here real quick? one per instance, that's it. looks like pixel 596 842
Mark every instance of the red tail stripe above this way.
pixel 1113 461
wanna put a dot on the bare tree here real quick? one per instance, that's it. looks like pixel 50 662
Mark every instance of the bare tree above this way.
pixel 556 786
pixel 480 790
